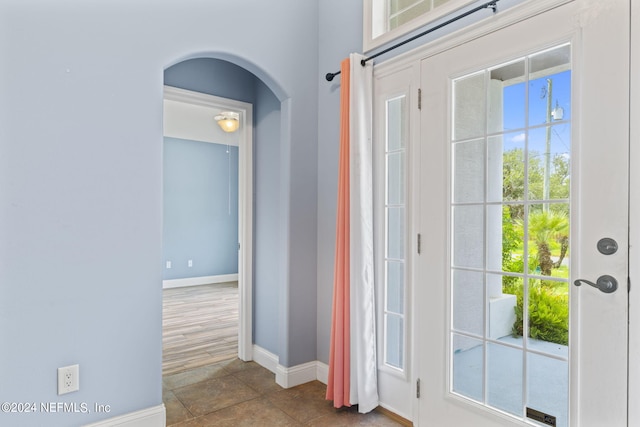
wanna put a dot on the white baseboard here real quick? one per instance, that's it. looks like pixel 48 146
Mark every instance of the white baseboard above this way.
pixel 288 377
pixel 322 372
pixel 195 281
pixel 150 417
pixel 395 411
pixel 295 375
pixel 300 374
pixel 265 358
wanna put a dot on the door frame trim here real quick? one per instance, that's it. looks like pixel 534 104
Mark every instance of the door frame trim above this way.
pixel 245 205
pixel 634 231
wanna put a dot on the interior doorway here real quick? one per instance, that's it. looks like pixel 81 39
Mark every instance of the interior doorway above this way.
pixel 199 326
pixel 190 125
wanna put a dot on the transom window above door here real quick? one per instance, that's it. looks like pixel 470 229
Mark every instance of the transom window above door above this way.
pixel 385 20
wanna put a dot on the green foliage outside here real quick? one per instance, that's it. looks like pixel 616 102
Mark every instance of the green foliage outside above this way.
pixel 548 231
pixel 514 177
pixel 548 311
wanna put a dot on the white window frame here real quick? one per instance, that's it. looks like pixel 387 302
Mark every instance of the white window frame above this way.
pixel 375 17
pixel 381 236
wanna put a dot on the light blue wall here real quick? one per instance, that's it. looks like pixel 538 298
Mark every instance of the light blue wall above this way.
pixel 340 35
pixel 200 208
pixel 81 185
pixel 269 243
pixel 213 76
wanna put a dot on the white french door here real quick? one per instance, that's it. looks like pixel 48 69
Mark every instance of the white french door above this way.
pixel 394 158
pixel 523 196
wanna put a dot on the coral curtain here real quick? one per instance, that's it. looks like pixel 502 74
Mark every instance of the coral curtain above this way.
pixel 352 359
pixel 338 385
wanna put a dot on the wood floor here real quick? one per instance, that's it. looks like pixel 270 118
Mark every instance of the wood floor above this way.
pixel 199 326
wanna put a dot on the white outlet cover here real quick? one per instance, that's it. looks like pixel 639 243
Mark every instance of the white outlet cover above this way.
pixel 68 379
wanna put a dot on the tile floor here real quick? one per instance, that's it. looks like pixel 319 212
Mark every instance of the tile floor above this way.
pixel 236 393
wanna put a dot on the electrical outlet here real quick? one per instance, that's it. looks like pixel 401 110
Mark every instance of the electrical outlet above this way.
pixel 68 379
pixel 190 263
pixel 168 264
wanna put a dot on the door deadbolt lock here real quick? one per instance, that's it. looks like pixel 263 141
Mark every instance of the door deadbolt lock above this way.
pixel 607 246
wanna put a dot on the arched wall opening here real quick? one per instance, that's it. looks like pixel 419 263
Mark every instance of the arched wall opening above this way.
pixel 223 78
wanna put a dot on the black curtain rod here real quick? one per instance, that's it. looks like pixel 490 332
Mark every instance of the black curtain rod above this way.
pixel 492 4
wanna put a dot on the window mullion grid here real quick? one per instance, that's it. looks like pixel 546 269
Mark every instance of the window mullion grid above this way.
pixel 386 238
pixel 527 276
pixel 387 258
pixel 485 261
pixel 525 246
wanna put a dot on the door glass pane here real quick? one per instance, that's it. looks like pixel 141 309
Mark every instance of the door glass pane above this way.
pixel 506 321
pixel 548 152
pixel 502 316
pixel 468 237
pixel 548 317
pixel 395 155
pixel 468 364
pixel 548 231
pixel 395 287
pixel 394 340
pixel 547 390
pixel 395 175
pixel 469 166
pixel 396 125
pixel 468 301
pixel 504 249
pixel 469 107
pixel 507 97
pixel 506 171
pixel 550 86
pixel 510 262
pixel 504 378
pixel 395 224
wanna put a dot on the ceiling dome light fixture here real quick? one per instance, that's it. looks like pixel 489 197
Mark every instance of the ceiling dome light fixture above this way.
pixel 228 121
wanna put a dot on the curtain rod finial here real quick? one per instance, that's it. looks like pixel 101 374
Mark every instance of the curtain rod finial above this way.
pixel 330 76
